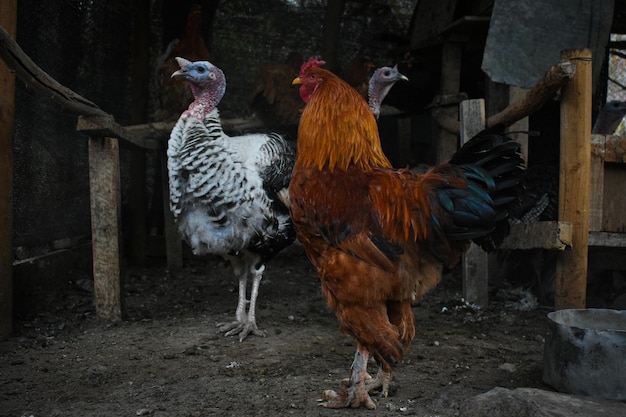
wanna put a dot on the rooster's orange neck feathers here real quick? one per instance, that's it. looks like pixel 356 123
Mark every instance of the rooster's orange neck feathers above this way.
pixel 337 129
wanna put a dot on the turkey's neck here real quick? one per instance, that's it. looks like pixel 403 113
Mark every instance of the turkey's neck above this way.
pixel 376 95
pixel 205 102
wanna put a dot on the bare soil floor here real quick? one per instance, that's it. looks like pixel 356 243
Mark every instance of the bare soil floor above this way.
pixel 167 360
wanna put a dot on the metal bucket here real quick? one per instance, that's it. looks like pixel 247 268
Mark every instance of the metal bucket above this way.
pixel 585 352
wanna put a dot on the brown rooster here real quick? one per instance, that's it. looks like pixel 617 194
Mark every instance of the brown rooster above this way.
pixel 174 96
pixel 378 236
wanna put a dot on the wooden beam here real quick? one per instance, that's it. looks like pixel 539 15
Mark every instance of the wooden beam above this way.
pixel 105 196
pixel 545 89
pixel 545 235
pixel 574 181
pixel 105 126
pixel 607 239
pixel 8 19
pixel 475 260
pixel 37 79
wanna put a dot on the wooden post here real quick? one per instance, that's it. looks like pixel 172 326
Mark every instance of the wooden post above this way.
pixel 446 142
pixel 475 260
pixel 574 180
pixel 517 94
pixel 8 20
pixel 105 196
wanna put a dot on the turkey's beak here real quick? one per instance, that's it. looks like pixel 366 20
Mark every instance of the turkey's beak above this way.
pixel 403 77
pixel 178 74
pixel 296 81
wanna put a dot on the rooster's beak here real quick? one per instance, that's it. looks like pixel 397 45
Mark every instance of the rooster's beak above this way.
pixel 296 81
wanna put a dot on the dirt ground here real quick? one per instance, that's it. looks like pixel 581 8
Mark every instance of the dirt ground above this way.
pixel 167 360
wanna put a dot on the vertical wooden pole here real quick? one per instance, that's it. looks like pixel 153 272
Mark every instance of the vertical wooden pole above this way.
pixel 574 180
pixel 105 196
pixel 516 94
pixel 475 260
pixel 8 20
pixel 446 142
pixel 330 35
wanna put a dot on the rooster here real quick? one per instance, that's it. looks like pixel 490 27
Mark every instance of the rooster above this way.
pixel 378 236
pixel 228 194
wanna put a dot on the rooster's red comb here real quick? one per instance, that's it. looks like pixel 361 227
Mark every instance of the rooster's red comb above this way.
pixel 313 62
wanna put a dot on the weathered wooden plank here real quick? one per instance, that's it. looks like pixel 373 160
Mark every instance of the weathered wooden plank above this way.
pixel 543 235
pixel 615 149
pixel 105 197
pixel 475 260
pixel 614 199
pixel 574 181
pixel 8 19
pixel 607 239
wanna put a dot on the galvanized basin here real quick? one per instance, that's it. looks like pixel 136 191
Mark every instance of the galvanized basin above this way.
pixel 585 352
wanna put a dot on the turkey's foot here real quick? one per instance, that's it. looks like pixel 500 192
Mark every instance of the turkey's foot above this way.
pixel 241 328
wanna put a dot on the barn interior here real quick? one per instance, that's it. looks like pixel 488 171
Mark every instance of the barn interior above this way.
pixel 84 102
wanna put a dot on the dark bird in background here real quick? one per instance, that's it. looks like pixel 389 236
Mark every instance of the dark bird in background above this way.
pixel 357 73
pixel 609 117
pixel 273 99
pixel 228 193
pixel 174 96
pixel 379 236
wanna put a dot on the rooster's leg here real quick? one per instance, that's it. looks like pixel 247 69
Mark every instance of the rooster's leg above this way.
pixel 356 395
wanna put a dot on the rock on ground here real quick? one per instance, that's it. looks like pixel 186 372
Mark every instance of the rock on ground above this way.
pixel 532 402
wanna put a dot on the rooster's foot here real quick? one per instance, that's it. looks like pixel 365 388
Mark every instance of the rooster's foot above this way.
pixel 381 383
pixel 355 396
pixel 243 329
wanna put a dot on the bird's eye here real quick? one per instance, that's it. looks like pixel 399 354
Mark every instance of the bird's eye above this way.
pixel 387 73
pixel 201 70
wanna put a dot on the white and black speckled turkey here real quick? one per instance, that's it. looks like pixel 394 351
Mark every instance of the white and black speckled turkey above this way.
pixel 228 194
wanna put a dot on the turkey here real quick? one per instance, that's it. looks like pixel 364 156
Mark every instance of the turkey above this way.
pixel 379 85
pixel 609 117
pixel 228 194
